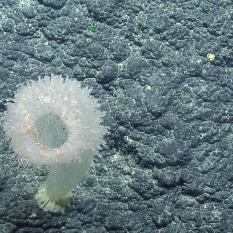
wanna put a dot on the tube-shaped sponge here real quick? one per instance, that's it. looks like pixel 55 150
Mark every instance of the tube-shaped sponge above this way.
pixel 57 123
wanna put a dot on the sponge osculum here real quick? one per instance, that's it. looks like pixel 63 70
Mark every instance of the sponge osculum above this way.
pixel 64 100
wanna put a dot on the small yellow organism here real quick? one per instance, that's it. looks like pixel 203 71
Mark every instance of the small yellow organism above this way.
pixel 176 219
pixel 210 56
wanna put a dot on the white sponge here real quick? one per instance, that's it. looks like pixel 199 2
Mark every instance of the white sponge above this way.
pixel 55 122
